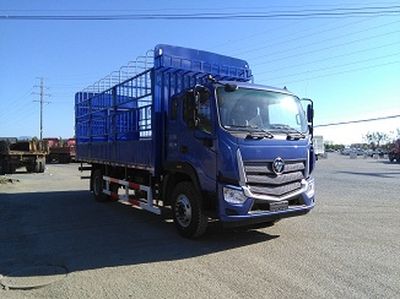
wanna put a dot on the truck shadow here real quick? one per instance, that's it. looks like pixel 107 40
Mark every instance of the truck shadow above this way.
pixel 70 229
pixel 392 174
pixel 387 162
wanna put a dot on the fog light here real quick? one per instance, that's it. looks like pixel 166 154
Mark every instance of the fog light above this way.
pixel 234 196
pixel 311 188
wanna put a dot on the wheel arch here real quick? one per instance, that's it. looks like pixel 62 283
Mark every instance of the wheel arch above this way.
pixel 176 172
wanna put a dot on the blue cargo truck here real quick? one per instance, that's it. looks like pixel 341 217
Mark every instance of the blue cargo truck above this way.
pixel 189 132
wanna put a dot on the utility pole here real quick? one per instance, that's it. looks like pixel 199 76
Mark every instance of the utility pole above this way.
pixel 41 101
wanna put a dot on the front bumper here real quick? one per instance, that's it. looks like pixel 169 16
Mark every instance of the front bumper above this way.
pixel 243 214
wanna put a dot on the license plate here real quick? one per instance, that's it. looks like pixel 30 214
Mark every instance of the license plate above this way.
pixel 278 206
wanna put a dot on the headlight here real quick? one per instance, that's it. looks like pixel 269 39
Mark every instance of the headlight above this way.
pixel 311 188
pixel 234 196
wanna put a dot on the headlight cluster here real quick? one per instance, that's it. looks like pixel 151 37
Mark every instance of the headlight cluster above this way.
pixel 234 196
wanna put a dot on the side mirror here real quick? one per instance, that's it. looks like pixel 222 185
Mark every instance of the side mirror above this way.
pixel 230 87
pixel 311 129
pixel 310 110
pixel 202 93
pixel 190 105
pixel 310 113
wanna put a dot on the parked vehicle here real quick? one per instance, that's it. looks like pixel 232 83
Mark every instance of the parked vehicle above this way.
pixel 394 153
pixel 60 150
pixel 319 146
pixel 14 154
pixel 379 152
pixel 191 132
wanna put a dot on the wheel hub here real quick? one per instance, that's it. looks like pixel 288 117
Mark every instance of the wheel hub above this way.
pixel 183 210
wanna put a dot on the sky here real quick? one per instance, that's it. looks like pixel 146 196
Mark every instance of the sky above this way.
pixel 349 66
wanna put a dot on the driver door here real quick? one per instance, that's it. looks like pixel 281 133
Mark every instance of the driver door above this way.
pixel 196 138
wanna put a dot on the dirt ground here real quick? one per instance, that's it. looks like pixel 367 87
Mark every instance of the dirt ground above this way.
pixel 348 246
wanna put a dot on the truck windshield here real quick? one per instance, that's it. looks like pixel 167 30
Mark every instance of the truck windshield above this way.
pixel 253 109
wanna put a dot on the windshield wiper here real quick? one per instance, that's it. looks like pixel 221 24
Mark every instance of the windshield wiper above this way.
pixel 254 132
pixel 291 133
pixel 259 134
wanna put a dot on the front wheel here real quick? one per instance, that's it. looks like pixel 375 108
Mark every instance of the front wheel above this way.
pixel 189 217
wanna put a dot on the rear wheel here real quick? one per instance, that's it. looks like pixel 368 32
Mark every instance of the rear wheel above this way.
pixel 98 186
pixel 40 165
pixel 3 167
pixel 30 168
pixel 9 167
pixel 189 217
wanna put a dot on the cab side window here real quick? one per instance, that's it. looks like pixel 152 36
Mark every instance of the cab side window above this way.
pixel 204 117
pixel 201 119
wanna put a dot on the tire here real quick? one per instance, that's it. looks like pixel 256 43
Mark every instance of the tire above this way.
pixel 9 167
pixel 4 146
pixel 40 165
pixel 30 168
pixel 189 217
pixel 2 168
pixel 97 186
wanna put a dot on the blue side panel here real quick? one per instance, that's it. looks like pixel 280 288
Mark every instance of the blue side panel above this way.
pixel 115 125
pixel 132 153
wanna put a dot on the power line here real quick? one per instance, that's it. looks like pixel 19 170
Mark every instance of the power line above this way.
pixel 19 114
pixel 358 121
pixel 19 119
pixel 16 105
pixel 315 33
pixel 342 72
pixel 338 66
pixel 248 17
pixel 285 41
pixel 328 58
pixel 240 8
pixel 240 39
pixel 329 47
pixel 291 14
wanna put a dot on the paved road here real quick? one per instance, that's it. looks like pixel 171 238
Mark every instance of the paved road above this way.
pixel 347 247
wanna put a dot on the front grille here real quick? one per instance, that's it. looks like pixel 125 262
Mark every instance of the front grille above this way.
pixel 262 180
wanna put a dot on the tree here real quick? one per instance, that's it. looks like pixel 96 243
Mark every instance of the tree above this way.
pixel 376 139
pixel 329 145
